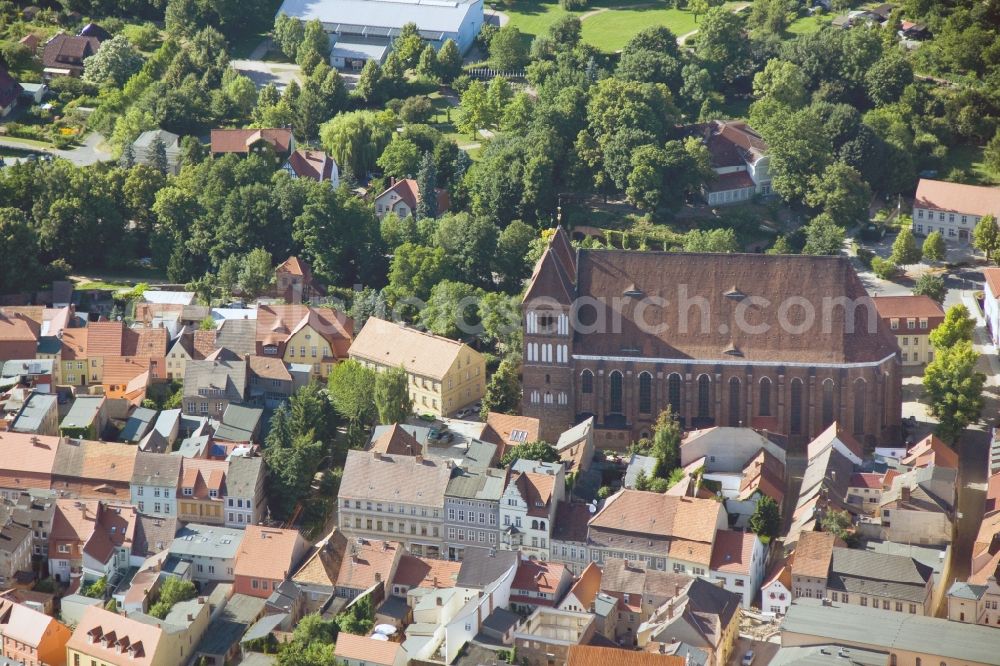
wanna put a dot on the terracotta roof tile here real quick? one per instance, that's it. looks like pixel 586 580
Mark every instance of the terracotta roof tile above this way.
pixel 732 551
pixel 105 339
pixel 813 554
pixel 422 572
pixel 587 585
pixel 277 323
pixel 894 307
pixel 538 576
pixel 367 562
pixel 992 275
pixel 268 552
pixel 396 441
pixel 589 655
pixel 314 164
pixel 389 344
pixel 74 344
pixel 364 650
pixel 929 451
pixel 241 140
pixel 142 638
pixel 323 566
pixel 957 198
pixel 865 480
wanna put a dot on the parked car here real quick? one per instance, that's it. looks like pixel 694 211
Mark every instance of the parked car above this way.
pixel 747 659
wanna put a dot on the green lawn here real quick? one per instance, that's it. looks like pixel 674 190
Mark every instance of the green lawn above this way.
pixel 607 30
pixel 970 159
pixel 808 24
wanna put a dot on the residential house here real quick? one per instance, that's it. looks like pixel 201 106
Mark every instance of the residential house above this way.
pixel 580 596
pixel 87 417
pixel 27 463
pixel 352 650
pixel 139 422
pixel 528 507
pixel 471 507
pixel 90 540
pixel 270 380
pixel 267 557
pixel 10 92
pixel 741 464
pixel 64 54
pixel 313 164
pixel 919 507
pixel 239 425
pixel 18 335
pixel 153 535
pixel 443 375
pixel 776 591
pixel 548 633
pixel 210 386
pixel 403 197
pixel 538 583
pixel 704 616
pixel 34 509
pixel 509 430
pixel 39 415
pixel 668 533
pixel 221 642
pixel 302 334
pixel 245 498
pixel 15 554
pixel 71 368
pixel 810 566
pixel 394 497
pixel 293 279
pixel 953 209
pixel 636 591
pixel 931 451
pixel 94 470
pixel 107 638
pixel 576 447
pixel 209 550
pixel 317 577
pixel 880 580
pixel 909 640
pixel 831 460
pixel 738 560
pixel 991 305
pixel 190 345
pixel 365 564
pixel 144 149
pixel 245 141
pixel 569 536
pixel 481 567
pixel 975 604
pixel 911 319
pixel 155 480
pixel 37 374
pixel 202 491
pixel 31 637
pixel 414 573
pixel 113 356
pixel 739 158
pixel 865 489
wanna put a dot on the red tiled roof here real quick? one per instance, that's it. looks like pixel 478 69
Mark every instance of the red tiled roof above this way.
pixel 241 140
pixel 421 572
pixel 957 197
pixel 931 451
pixel 538 576
pixel 992 275
pixel 895 307
pixel 409 192
pixel 294 265
pixel 737 180
pixel 865 480
pixel 268 552
pixel 314 164
pixel 813 554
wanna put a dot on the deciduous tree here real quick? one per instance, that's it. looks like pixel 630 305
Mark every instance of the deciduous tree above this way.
pixel 766 519
pixel 115 61
pixel 930 285
pixel 905 249
pixel 509 49
pixel 986 236
pixel 934 248
pixel 954 388
pixel 823 236
pixel 392 396
pixel 503 390
pixel 957 326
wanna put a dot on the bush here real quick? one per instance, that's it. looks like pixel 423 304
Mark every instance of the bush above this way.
pixel 461 83
pixel 143 37
pixel 573 5
pixel 884 268
pixel 865 256
pixel 416 110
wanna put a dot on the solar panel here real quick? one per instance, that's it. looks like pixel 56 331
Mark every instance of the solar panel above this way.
pixel 518 435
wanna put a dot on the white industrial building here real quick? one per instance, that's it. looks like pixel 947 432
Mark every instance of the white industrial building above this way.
pixel 362 30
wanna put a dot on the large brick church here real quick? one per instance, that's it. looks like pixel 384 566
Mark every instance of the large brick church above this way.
pixel 785 343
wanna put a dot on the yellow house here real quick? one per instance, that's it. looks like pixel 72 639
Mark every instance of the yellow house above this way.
pixel 911 319
pixel 318 337
pixel 103 638
pixel 443 375
pixel 201 493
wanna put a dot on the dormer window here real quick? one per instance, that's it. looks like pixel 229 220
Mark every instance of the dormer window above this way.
pixel 188 492
pixel 213 493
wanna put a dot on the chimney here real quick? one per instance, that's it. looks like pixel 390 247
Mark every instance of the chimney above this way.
pixel 190 617
pixel 201 600
pixel 376 455
pixel 904 493
pixel 420 459
pixel 378 577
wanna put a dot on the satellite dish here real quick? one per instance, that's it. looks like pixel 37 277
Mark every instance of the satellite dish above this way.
pixel 379 637
pixel 592 507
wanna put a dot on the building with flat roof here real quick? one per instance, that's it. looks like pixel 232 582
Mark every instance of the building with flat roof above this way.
pixel 38 416
pixel 211 551
pixel 362 30
pixel 86 417
pixel 908 639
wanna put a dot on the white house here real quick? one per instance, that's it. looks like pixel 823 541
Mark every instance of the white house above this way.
pixel 143 150
pixel 952 208
pixel 153 487
pixel 739 158
pixel 528 507
pixel 776 592
pixel 738 560
pixel 991 303
pixel 313 164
